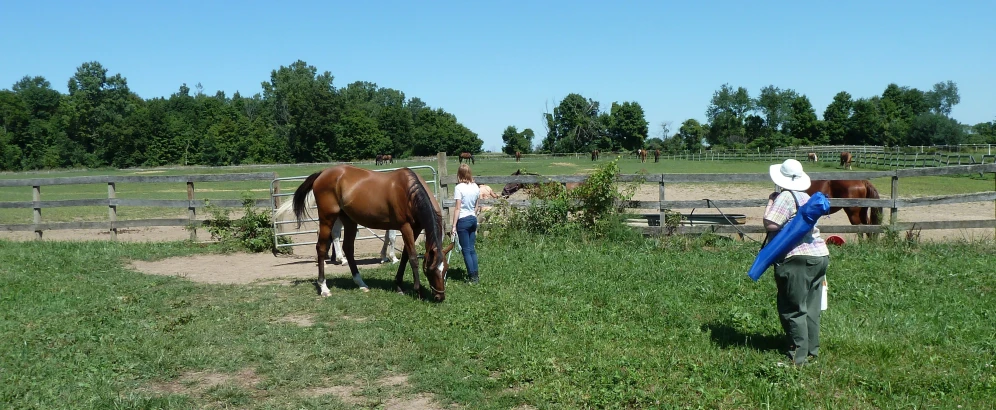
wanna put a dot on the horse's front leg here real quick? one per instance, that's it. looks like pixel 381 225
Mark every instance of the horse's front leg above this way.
pixel 348 247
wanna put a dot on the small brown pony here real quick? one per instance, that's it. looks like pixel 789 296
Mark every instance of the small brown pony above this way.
pixel 642 155
pixel 467 156
pixel 518 156
pixel 859 189
pixel 657 155
pixel 812 157
pixel 845 160
pixel 378 200
pixel 594 155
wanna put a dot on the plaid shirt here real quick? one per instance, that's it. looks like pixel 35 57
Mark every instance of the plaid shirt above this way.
pixel 782 210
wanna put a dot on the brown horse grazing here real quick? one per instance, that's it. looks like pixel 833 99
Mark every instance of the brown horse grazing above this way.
pixel 398 200
pixel 594 155
pixel 845 160
pixel 514 187
pixel 467 156
pixel 812 157
pixel 379 159
pixel 657 155
pixel 850 189
pixel 387 158
pixel 518 156
pixel 642 155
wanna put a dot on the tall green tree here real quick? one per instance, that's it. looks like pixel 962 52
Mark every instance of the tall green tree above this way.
pixel 516 141
pixel 691 133
pixel 726 113
pixel 305 109
pixel 802 123
pixel 836 119
pixel 775 105
pixel 629 126
pixel 943 97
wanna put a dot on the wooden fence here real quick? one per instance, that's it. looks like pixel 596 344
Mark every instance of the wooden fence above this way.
pixel 663 205
pixel 112 203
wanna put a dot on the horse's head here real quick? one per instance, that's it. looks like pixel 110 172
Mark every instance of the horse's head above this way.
pixel 435 264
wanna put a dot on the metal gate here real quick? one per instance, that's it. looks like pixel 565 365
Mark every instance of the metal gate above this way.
pixel 289 233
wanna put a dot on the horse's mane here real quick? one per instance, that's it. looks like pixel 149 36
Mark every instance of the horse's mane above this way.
pixel 425 212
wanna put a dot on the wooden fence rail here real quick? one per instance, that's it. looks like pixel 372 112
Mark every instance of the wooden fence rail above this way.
pixel 112 202
pixel 663 205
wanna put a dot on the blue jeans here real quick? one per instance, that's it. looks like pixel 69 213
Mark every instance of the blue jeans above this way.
pixel 466 228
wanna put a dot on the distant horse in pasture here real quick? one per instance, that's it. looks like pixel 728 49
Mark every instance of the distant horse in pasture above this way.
pixel 845 160
pixel 857 189
pixel 518 156
pixel 641 154
pixel 388 158
pixel 392 200
pixel 464 156
pixel 594 155
pixel 812 157
pixel 657 155
pixel 379 159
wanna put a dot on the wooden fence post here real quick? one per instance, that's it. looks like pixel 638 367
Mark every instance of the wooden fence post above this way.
pixel 191 211
pixel 112 210
pixel 894 212
pixel 660 206
pixel 36 196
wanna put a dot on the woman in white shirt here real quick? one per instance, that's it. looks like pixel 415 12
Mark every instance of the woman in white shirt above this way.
pixel 466 194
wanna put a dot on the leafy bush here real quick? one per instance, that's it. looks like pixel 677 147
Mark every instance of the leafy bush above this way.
pixel 253 232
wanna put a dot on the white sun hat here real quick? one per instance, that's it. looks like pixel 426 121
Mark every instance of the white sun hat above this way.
pixel 789 175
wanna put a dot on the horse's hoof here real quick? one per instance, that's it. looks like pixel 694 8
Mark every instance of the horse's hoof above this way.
pixel 326 294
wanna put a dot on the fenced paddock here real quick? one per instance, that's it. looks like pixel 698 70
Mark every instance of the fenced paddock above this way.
pixel 890 198
pixel 113 203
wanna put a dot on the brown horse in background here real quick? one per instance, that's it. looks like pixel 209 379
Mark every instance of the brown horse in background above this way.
pixel 387 158
pixel 858 189
pixel 398 199
pixel 845 160
pixel 812 157
pixel 518 156
pixel 467 156
pixel 657 155
pixel 379 159
pixel 641 154
pixel 594 155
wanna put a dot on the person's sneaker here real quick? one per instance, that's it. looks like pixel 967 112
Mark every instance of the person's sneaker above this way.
pixel 474 279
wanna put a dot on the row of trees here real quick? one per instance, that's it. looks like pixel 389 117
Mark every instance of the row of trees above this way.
pixel 775 118
pixel 300 116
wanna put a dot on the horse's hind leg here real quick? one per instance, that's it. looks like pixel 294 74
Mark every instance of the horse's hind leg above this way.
pixel 388 248
pixel 322 248
pixel 338 258
pixel 348 247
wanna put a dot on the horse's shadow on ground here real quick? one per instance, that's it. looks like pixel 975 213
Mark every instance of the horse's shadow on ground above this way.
pixel 726 336
pixel 346 283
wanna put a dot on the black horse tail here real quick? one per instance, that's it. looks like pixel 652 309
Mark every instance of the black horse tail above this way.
pixel 876 213
pixel 301 195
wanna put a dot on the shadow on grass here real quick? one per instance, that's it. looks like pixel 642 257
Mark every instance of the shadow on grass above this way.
pixel 725 337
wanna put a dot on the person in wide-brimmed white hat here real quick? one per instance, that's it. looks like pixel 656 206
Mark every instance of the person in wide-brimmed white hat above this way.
pixel 799 275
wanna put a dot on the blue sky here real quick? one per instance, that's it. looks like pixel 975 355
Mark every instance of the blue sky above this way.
pixel 495 64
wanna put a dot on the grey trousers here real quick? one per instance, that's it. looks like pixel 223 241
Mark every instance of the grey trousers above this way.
pixel 799 280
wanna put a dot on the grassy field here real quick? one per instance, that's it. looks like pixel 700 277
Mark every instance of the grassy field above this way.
pixel 556 323
pixel 910 187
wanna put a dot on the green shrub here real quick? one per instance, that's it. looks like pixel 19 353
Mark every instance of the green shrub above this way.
pixel 253 232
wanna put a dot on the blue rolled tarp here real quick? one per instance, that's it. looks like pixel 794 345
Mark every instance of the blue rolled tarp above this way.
pixel 791 234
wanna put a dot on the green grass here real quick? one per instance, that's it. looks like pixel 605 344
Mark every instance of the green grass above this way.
pixel 629 323
pixel 909 187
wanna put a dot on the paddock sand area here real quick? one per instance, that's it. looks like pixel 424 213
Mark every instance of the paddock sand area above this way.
pixel 292 269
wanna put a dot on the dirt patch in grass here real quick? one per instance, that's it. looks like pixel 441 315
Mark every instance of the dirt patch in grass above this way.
pixel 195 383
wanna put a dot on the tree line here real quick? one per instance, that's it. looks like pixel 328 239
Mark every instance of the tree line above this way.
pixel 300 116
pixel 901 116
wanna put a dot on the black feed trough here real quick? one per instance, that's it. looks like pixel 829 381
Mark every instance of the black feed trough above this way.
pixel 701 219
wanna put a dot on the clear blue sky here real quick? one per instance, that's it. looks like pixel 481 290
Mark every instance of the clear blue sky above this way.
pixel 495 64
